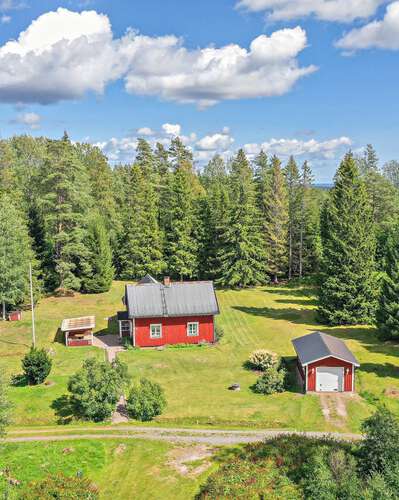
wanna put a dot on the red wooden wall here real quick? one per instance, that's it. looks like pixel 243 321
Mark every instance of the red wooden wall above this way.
pixel 174 331
pixel 348 372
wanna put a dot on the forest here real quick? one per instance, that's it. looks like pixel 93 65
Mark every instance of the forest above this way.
pixel 82 222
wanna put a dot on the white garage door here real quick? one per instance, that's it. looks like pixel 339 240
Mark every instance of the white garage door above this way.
pixel 329 379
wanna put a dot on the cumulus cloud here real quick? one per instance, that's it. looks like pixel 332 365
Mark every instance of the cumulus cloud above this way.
pixel 145 131
pixel 32 120
pixel 312 148
pixel 326 10
pixel 171 129
pixel 220 141
pixel 64 54
pixel 382 34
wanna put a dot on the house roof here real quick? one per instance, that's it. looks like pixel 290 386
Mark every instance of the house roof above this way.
pixel 148 279
pixel 73 324
pixel 318 345
pixel 154 300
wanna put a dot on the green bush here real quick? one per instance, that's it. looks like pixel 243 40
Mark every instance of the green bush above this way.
pixel 379 451
pixel 262 360
pixel 61 487
pixel 146 400
pixel 96 388
pixel 271 381
pixel 36 366
pixel 242 479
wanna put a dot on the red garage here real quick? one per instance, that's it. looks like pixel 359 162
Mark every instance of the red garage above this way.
pixel 325 363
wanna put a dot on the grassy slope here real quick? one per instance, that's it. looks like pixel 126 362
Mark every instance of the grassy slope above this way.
pixel 196 379
pixel 137 470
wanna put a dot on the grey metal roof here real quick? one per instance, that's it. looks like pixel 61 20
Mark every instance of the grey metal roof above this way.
pixel 319 345
pixel 179 299
pixel 147 279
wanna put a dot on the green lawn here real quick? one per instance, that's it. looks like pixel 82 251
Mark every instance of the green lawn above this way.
pixel 135 469
pixel 196 379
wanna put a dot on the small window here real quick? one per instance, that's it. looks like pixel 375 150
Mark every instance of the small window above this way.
pixel 156 331
pixel 192 329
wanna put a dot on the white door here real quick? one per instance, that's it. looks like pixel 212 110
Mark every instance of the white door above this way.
pixel 329 379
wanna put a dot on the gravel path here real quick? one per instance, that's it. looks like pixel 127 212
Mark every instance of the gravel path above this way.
pixel 180 435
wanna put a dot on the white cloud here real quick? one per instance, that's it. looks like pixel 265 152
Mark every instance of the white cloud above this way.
pixel 326 10
pixel 171 129
pixel 5 19
pixel 64 54
pixel 312 148
pixel 32 120
pixel 215 142
pixel 164 67
pixel 11 5
pixel 145 131
pixel 382 34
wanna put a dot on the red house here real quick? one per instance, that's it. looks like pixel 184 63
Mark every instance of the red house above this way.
pixel 158 314
pixel 325 363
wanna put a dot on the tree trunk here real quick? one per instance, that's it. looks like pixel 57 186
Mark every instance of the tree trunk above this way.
pixel 290 253
pixel 4 311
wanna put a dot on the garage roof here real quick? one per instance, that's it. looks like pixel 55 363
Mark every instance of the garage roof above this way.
pixel 155 300
pixel 318 345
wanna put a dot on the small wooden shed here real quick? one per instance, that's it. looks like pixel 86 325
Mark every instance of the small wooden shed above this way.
pixel 78 331
pixel 325 363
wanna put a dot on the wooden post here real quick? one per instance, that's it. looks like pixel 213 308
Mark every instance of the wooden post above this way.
pixel 4 311
pixel 32 307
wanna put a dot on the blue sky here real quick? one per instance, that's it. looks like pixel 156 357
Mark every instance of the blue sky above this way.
pixel 309 78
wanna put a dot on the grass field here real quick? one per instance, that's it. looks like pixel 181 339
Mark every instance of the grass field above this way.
pixel 196 379
pixel 139 469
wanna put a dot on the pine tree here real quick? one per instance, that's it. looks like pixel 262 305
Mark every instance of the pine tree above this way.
pixel 294 202
pixel 65 203
pixel 99 279
pixel 388 309
pixel 15 255
pixel 140 245
pixel 179 154
pixel 242 255
pixel 275 202
pixel 369 161
pixel 347 291
pixel 181 244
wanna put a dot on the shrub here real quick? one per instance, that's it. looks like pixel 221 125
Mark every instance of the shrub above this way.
pixel 146 400
pixel 96 388
pixel 36 366
pixel 379 451
pixel 61 487
pixel 249 479
pixel 271 381
pixel 262 360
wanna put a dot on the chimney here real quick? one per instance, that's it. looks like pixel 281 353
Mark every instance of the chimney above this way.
pixel 166 281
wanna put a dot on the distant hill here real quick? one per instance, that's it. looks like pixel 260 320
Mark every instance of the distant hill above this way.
pixel 323 185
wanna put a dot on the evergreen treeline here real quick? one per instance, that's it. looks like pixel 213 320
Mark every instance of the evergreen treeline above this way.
pixel 82 223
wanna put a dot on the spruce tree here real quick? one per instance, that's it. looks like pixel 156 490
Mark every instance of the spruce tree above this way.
pixel 15 255
pixel 65 203
pixel 388 308
pixel 294 202
pixel 347 290
pixel 101 274
pixel 275 203
pixel 140 245
pixel 309 224
pixel 242 255
pixel 181 245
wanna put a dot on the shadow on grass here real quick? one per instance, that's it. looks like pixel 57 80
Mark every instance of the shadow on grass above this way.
pixel 299 302
pixel 64 409
pixel 59 337
pixel 292 292
pixel 112 327
pixel 292 315
pixel 380 369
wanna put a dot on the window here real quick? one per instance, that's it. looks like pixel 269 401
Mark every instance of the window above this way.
pixel 192 329
pixel 156 331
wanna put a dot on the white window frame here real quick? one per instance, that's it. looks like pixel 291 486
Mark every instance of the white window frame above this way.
pixel 156 325
pixel 196 323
